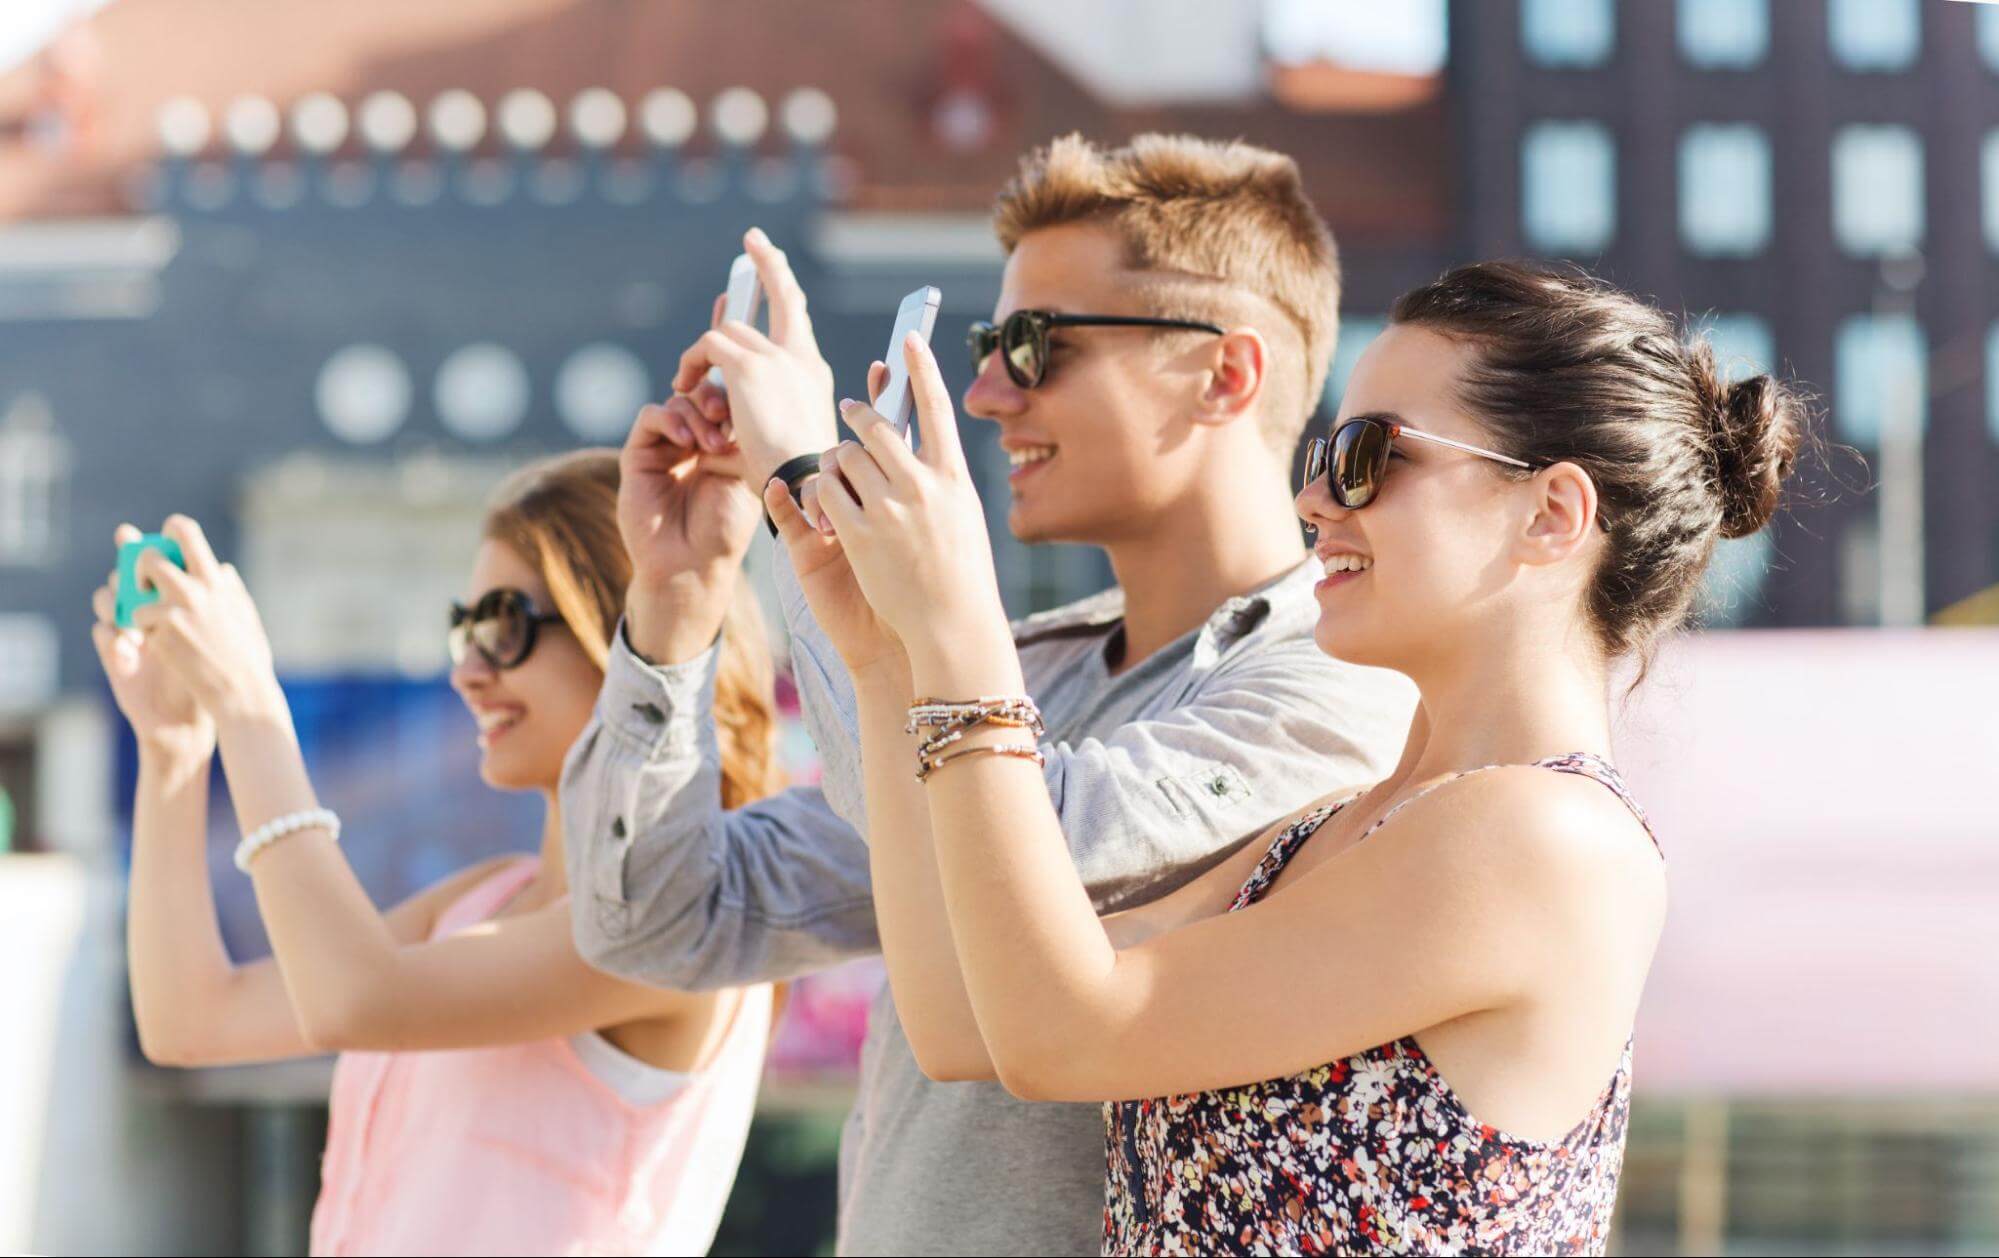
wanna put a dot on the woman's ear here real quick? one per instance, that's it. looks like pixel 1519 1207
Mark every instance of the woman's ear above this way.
pixel 1233 378
pixel 1565 508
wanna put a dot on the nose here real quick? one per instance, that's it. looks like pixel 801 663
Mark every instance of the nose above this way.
pixel 1315 506
pixel 993 395
pixel 472 674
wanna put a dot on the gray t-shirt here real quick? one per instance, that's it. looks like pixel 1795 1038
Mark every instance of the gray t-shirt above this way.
pixel 1156 774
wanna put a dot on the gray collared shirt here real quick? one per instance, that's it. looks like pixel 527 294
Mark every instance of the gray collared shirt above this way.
pixel 1157 773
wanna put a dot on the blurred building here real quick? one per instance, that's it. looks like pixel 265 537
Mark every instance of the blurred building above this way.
pixel 320 274
pixel 1819 182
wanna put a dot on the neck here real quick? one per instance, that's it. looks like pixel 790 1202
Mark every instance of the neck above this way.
pixel 1186 562
pixel 552 879
pixel 1521 696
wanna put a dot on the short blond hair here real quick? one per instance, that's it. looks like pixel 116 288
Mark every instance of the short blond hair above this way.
pixel 1223 230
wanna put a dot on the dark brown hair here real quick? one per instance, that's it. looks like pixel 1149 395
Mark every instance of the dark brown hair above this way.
pixel 1570 370
pixel 561 515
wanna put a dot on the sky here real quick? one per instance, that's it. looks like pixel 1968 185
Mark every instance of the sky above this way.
pixel 1402 37
pixel 25 25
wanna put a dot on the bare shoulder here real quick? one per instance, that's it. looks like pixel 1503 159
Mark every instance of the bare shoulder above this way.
pixel 1529 825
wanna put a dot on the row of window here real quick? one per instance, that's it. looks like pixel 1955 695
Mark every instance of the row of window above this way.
pixel 482 392
pixel 1568 188
pixel 1871 36
pixel 1880 368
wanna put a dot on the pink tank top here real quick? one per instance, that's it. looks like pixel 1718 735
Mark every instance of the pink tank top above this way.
pixel 522 1149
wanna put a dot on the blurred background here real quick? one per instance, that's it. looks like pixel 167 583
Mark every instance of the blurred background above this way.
pixel 319 273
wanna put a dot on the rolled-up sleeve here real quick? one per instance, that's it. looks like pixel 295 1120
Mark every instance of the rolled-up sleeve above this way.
pixel 1153 803
pixel 669 888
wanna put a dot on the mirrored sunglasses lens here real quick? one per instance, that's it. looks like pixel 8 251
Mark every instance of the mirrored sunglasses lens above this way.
pixel 1315 464
pixel 501 628
pixel 1021 343
pixel 982 340
pixel 1359 457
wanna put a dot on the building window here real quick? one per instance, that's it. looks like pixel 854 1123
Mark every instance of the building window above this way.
pixel 1725 189
pixel 1568 187
pixel 1860 572
pixel 1570 34
pixel 1992 188
pixel 482 392
pixel 1988 34
pixel 1992 383
pixel 1357 332
pixel 35 463
pixel 363 394
pixel 1877 189
pixel 1879 375
pixel 1742 344
pixel 1732 587
pixel 30 651
pixel 599 390
pixel 1874 35
pixel 1724 34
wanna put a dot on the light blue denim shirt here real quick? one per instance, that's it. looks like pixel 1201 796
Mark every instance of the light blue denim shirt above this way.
pixel 1157 774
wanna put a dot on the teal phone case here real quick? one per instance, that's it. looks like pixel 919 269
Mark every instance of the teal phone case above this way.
pixel 130 597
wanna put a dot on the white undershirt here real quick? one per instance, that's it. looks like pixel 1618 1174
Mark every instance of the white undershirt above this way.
pixel 638 1082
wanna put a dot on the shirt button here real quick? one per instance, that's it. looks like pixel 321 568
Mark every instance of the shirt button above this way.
pixel 617 827
pixel 651 712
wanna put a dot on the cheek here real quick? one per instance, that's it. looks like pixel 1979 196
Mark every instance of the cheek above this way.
pixel 560 688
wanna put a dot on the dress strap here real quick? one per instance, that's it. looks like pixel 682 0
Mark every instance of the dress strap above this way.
pixel 1580 763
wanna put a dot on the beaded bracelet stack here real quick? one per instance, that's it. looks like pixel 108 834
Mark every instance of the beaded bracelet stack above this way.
pixel 951 720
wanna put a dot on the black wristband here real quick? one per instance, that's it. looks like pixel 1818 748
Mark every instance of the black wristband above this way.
pixel 794 472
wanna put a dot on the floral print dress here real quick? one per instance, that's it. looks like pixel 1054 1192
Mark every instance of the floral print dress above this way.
pixel 1374 1154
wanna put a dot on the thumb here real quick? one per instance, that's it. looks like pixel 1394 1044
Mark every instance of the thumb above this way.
pixel 792 528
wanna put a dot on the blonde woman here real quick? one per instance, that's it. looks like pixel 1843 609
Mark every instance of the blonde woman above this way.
pixel 494 1094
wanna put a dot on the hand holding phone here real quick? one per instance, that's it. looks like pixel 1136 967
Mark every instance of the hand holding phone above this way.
pixel 918 313
pixel 130 597
pixel 745 298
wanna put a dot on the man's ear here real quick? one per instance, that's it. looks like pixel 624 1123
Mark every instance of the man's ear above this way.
pixel 1564 514
pixel 1233 380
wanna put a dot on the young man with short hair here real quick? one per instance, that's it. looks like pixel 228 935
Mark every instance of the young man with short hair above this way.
pixel 1166 318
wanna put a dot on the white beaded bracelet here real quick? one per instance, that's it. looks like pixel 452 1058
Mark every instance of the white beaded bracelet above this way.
pixel 277 828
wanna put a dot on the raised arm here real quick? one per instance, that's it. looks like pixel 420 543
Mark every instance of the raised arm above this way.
pixel 666 886
pixel 343 975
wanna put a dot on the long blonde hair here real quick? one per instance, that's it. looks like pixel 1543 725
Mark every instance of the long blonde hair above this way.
pixel 561 514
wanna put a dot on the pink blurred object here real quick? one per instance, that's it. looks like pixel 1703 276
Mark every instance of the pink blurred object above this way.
pixel 1825 800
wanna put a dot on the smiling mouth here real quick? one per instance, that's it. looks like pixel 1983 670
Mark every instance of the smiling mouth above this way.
pixel 492 725
pixel 1027 458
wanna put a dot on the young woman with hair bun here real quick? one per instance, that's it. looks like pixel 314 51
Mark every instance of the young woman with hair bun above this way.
pixel 1401 1020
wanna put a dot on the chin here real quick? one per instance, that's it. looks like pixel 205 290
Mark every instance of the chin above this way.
pixel 1340 638
pixel 503 773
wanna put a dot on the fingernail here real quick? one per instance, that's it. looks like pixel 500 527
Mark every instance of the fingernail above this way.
pixel 846 403
pixel 757 234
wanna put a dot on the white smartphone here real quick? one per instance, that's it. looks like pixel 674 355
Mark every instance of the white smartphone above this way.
pixel 918 313
pixel 745 297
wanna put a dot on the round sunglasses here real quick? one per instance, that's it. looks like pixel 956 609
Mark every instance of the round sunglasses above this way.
pixel 1355 458
pixel 1022 338
pixel 502 627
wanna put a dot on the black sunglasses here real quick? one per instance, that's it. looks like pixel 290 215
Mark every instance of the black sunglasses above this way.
pixel 1023 338
pixel 1355 458
pixel 502 627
